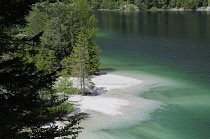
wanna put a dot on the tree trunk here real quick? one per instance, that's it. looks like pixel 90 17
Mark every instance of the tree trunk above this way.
pixel 81 86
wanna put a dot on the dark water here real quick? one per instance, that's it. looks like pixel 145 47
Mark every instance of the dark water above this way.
pixel 173 45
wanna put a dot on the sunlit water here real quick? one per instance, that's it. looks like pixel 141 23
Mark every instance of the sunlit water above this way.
pixel 174 46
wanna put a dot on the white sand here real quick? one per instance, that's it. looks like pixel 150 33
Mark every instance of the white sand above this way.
pixel 111 81
pixel 118 106
pixel 106 105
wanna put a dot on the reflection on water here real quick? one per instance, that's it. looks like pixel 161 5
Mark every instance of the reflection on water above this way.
pixel 174 45
pixel 163 23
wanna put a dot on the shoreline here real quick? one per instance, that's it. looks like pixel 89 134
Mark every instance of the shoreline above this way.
pixel 118 106
pixel 103 103
pixel 156 9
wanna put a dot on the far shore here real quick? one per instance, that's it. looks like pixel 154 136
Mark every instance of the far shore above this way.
pixel 156 9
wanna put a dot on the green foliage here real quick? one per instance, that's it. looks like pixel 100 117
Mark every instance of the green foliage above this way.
pixel 162 4
pixel 30 62
pixel 205 3
pixel 191 4
pixel 65 86
pixel 94 4
pixel 79 60
pixel 56 131
pixel 46 60
pixel 55 36
pixel 144 4
pixel 179 3
pixel 38 21
pixel 154 9
pixel 63 108
pixel 27 100
pixel 108 4
pixel 173 4
pixel 60 24
pixel 122 3
pixel 155 4
pixel 130 7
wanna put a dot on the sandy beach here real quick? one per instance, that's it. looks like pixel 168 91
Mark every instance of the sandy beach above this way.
pixel 115 106
pixel 105 104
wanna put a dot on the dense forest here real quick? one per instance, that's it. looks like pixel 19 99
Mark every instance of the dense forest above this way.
pixel 40 42
pixel 147 4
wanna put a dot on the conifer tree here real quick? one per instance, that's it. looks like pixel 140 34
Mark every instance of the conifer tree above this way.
pixel 27 97
pixel 38 21
pixel 79 62
pixel 60 24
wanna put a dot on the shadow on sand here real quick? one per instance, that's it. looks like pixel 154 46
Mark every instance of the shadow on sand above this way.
pixel 104 71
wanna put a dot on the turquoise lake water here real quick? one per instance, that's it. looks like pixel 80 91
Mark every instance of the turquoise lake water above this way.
pixel 170 45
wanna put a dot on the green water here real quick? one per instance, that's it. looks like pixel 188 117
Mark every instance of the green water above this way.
pixel 170 45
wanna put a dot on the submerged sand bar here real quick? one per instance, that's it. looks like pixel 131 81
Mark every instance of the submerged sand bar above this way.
pixel 117 106
pixel 105 105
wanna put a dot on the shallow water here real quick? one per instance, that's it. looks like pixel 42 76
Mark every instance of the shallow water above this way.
pixel 170 52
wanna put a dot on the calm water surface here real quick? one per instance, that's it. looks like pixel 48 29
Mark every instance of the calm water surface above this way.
pixel 173 45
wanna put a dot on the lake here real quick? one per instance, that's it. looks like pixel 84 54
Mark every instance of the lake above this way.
pixel 174 46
